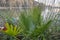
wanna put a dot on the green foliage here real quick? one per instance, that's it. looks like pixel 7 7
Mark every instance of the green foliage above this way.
pixel 33 23
pixel 30 24
pixel 12 30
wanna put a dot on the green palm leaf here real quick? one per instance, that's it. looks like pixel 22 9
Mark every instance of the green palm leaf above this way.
pixel 12 30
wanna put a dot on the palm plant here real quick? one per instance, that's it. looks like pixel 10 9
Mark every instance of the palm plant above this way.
pixel 12 31
pixel 33 24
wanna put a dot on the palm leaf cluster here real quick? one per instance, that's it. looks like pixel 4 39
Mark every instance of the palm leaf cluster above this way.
pixel 11 30
pixel 32 22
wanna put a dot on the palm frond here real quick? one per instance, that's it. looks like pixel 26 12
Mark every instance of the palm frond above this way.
pixel 12 30
pixel 33 23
